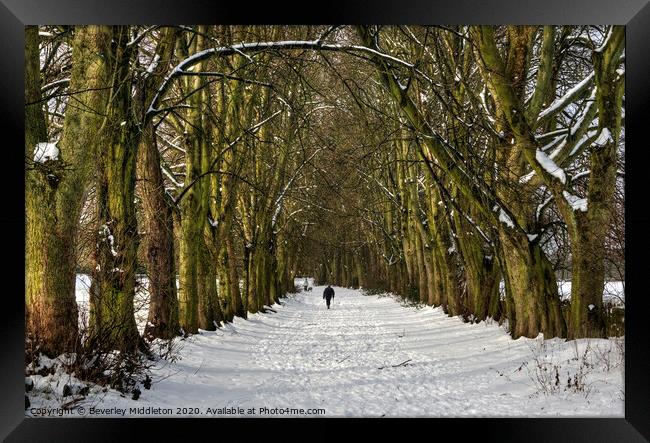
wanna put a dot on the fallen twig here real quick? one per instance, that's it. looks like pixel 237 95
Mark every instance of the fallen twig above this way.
pixel 341 361
pixel 395 366
pixel 200 366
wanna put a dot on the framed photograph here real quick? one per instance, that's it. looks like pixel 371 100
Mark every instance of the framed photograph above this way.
pixel 417 210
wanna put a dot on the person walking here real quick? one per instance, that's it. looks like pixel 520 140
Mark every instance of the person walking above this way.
pixel 328 295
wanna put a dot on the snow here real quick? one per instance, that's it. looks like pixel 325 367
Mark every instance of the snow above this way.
pixel 560 102
pixel 278 202
pixel 154 64
pixel 45 152
pixel 54 84
pixel 541 207
pixel 547 147
pixel 580 174
pixel 367 356
pixel 578 146
pixel 197 57
pixel 601 48
pixel 577 203
pixel 550 166
pixel 299 282
pixel 620 72
pixel 477 228
pixel 140 302
pixel 603 138
pixel 585 112
pixel 111 239
pixel 504 218
pixel 106 232
pixel 613 293
pixel 172 178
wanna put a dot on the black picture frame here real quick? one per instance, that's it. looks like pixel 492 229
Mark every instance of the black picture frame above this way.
pixel 635 14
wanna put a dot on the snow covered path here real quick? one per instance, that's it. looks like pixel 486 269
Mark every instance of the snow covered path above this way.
pixel 346 360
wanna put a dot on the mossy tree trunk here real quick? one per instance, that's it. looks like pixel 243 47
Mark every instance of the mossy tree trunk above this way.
pixel 51 313
pixel 55 190
pixel 530 276
pixel 113 287
pixel 162 321
pixel 588 230
pixel 194 202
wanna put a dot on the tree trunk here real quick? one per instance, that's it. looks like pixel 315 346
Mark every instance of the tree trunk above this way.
pixel 247 297
pixel 253 275
pixel 533 287
pixel 56 191
pixel 589 231
pixel 209 309
pixel 194 204
pixel 162 321
pixel 113 287
pixel 481 276
pixel 51 310
pixel 188 297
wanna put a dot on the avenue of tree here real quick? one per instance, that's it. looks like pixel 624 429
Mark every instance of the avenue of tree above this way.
pixel 462 167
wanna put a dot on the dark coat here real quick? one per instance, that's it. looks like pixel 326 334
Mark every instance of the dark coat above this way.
pixel 328 293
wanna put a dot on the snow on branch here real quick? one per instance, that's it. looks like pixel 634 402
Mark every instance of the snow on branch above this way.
pixel 569 96
pixel 505 218
pixel 580 175
pixel 580 122
pixel 392 196
pixel 153 65
pixel 172 145
pixel 602 46
pixel 553 134
pixel 541 207
pixel 584 141
pixel 55 84
pixel 576 203
pixel 477 228
pixel 170 175
pixel 550 166
pixel 45 152
pixel 243 48
pixel 604 137
pixel 140 36
pixel 259 125
pixel 280 199
pixel 488 114
pixel 250 130
pixel 391 261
